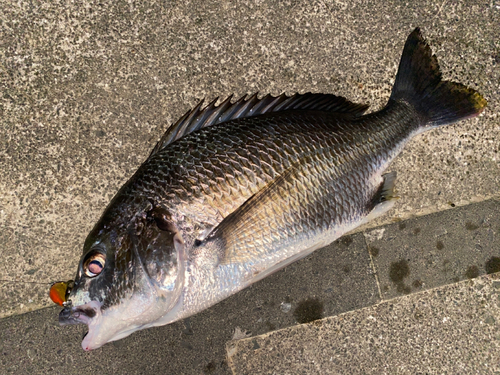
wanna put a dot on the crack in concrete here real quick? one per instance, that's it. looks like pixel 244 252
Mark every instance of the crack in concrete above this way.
pixel 24 282
pixel 374 268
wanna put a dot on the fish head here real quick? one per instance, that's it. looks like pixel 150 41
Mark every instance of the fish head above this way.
pixel 128 277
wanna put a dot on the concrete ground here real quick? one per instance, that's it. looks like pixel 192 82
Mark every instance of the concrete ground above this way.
pixel 89 87
pixel 449 330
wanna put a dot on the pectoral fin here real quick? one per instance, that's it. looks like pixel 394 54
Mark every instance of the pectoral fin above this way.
pixel 274 217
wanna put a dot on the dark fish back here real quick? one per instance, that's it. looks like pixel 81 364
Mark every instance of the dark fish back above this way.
pixel 207 174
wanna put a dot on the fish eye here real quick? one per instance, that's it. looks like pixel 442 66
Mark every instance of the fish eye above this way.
pixel 94 264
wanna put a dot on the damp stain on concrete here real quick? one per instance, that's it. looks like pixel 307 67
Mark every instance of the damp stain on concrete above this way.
pixel 347 268
pixel 270 326
pixel 308 310
pixel 471 226
pixel 492 265
pixel 374 251
pixel 398 271
pixel 209 368
pixel 472 272
pixel 346 240
pixel 417 284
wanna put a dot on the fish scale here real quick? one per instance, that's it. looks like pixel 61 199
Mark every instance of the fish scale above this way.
pixel 217 172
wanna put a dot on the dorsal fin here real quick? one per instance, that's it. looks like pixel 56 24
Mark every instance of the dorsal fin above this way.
pixel 198 118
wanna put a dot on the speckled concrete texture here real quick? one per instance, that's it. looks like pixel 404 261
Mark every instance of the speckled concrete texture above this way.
pixel 437 249
pixel 88 87
pixel 448 330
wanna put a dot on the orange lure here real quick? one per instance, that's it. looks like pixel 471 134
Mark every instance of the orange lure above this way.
pixel 59 292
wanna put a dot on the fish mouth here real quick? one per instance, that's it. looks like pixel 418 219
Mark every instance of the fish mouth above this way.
pixel 99 333
pixel 89 314
pixel 76 315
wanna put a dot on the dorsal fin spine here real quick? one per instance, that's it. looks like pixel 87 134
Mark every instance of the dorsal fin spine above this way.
pixel 211 114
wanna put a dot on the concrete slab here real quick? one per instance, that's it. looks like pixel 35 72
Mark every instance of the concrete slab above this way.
pixel 29 296
pixel 88 88
pixel 448 330
pixel 437 249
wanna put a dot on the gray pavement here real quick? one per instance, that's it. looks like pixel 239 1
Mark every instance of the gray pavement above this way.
pixel 448 330
pixel 89 87
pixel 437 249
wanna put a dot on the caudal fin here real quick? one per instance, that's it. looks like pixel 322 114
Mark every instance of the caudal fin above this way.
pixel 418 82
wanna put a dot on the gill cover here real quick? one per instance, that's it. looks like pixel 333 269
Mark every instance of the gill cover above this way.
pixel 160 247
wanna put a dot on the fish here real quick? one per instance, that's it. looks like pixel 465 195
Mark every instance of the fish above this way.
pixel 236 191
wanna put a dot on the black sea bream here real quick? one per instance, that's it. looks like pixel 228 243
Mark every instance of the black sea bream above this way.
pixel 234 192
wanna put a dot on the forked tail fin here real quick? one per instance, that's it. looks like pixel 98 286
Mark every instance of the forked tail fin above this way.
pixel 419 83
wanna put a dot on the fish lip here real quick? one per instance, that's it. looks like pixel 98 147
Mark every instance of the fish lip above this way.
pixel 90 314
pixel 77 315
